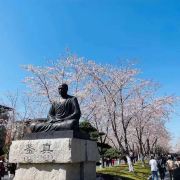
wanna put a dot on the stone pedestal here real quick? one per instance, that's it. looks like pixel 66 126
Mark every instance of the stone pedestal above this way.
pixel 54 159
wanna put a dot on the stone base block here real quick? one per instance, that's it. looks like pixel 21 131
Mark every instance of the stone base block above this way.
pixel 73 171
pixel 63 150
pixel 54 159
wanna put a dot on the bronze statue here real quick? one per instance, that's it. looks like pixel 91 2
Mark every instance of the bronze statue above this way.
pixel 63 115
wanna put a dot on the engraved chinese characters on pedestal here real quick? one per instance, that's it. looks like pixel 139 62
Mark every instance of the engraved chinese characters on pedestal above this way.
pixel 43 152
pixel 29 150
pixel 47 152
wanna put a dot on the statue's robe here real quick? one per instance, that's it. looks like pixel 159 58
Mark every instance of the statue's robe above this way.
pixel 62 116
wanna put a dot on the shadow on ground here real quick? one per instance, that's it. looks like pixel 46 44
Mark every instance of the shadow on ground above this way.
pixel 110 177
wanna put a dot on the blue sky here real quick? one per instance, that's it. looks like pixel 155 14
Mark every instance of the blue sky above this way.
pixel 32 32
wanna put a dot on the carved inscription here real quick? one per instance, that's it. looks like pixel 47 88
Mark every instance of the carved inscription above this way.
pixel 27 159
pixel 47 152
pixel 47 148
pixel 44 153
pixel 29 149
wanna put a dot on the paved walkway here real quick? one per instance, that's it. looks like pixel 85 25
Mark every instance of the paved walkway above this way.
pixel 6 178
pixel 167 176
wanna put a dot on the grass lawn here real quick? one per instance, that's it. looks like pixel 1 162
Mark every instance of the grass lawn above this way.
pixel 140 173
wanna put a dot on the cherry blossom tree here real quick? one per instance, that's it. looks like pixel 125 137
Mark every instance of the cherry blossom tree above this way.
pixel 113 98
pixel 149 113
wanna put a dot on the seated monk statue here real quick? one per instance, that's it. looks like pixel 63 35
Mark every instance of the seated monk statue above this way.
pixel 63 115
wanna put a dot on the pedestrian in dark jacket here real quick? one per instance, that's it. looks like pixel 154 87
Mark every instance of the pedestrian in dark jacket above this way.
pixel 11 169
pixel 161 167
pixel 2 169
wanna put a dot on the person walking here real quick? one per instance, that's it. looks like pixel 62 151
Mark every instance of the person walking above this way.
pixel 154 168
pixel 177 162
pixel 170 166
pixel 112 162
pixel 11 170
pixel 107 162
pixel 2 169
pixel 161 167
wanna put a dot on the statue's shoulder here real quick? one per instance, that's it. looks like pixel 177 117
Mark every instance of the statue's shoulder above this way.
pixel 54 103
pixel 72 97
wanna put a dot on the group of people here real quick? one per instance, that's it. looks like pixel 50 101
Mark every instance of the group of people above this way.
pixel 7 168
pixel 109 162
pixel 163 163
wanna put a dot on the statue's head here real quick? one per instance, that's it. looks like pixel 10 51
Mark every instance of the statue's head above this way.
pixel 63 89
